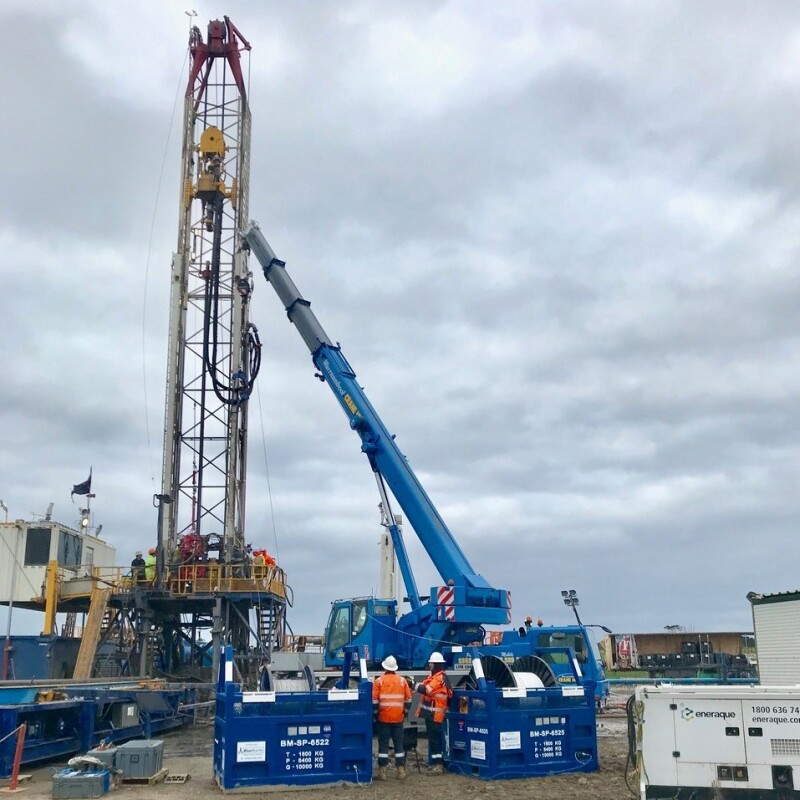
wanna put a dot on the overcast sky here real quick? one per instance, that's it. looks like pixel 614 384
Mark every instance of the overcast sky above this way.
pixel 558 242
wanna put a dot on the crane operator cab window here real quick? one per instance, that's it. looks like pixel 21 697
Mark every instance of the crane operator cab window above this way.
pixel 348 620
pixel 562 639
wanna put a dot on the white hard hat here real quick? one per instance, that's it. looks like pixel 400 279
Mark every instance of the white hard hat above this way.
pixel 389 664
pixel 436 658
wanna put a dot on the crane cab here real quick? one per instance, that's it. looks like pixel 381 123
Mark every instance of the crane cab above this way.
pixel 368 623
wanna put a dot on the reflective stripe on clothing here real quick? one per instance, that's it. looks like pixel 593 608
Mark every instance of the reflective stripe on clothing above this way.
pixel 391 695
pixel 437 692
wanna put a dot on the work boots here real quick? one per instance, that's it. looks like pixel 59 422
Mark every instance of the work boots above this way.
pixel 436 769
pixel 401 773
pixel 381 776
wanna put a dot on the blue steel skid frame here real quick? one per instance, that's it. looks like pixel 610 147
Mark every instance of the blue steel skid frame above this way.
pixel 66 727
pixel 158 711
pixel 292 739
pixel 495 734
pixel 54 730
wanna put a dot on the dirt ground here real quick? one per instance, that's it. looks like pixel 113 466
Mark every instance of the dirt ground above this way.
pixel 190 751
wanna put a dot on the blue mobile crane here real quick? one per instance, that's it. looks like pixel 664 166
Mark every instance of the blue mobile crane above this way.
pixel 452 617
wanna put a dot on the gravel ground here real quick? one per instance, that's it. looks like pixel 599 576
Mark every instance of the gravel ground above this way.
pixel 190 751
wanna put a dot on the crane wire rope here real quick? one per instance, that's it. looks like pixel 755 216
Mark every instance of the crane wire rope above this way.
pixel 261 414
pixel 147 265
pixel 415 635
pixel 266 466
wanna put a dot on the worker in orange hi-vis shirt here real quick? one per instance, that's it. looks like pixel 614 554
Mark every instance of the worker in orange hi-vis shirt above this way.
pixel 391 700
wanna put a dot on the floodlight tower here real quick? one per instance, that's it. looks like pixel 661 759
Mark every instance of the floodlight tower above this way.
pixel 214 351
pixel 572 600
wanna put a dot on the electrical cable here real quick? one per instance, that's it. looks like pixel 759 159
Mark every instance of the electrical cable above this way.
pixel 234 393
pixel 362 785
pixel 566 771
pixel 631 739
pixel 237 392
pixel 632 764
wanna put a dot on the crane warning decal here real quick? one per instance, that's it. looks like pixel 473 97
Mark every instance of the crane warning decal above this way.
pixel 445 596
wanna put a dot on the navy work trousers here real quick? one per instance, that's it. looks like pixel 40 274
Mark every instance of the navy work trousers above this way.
pixel 390 731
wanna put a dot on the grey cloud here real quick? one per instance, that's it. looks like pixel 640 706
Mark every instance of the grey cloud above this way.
pixel 569 288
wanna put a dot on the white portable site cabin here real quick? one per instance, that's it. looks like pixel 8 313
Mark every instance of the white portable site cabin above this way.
pixel 27 547
pixel 776 622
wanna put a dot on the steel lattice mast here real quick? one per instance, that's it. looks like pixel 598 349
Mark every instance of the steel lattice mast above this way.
pixel 214 352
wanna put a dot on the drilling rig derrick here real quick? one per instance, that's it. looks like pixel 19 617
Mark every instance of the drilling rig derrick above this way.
pixel 205 592
pixel 199 590
pixel 214 352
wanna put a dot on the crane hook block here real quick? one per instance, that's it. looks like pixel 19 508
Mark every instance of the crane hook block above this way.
pixel 212 142
pixel 212 165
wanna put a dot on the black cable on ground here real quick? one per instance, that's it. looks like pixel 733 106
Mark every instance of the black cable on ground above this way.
pixel 630 758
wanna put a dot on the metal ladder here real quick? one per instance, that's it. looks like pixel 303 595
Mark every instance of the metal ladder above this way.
pixel 93 630
pixel 68 628
pixel 271 626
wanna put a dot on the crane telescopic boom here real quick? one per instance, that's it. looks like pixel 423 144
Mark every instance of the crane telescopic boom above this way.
pixel 457 610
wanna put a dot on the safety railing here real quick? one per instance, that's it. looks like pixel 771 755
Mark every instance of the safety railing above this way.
pixel 188 579
pixel 118 579
pixel 68 584
pixel 193 579
pixel 303 643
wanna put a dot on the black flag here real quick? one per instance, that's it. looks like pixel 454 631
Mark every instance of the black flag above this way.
pixel 83 488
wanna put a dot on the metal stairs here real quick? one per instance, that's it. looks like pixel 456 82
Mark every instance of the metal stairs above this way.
pixel 68 628
pixel 271 626
pixel 116 645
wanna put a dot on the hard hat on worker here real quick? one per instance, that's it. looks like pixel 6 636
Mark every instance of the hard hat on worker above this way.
pixel 436 658
pixel 389 664
pixel 152 551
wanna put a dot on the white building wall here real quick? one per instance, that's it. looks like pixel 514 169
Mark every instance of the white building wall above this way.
pixel 777 628
pixel 30 578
